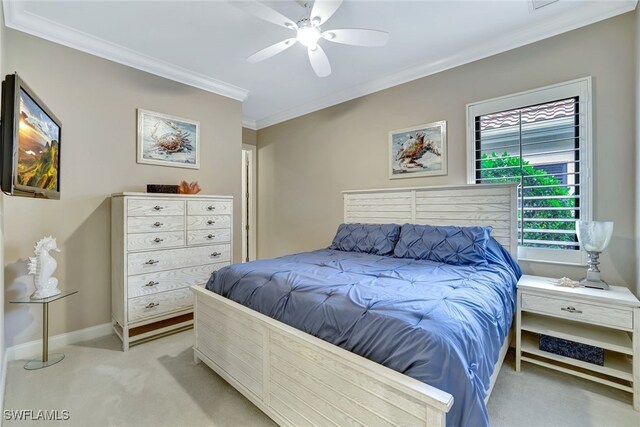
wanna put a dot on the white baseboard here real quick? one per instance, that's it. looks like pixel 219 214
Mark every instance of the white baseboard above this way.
pixel 33 349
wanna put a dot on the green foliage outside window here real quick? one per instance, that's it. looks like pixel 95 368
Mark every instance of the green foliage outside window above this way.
pixel 508 169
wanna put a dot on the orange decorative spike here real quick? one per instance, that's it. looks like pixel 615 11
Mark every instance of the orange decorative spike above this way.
pixel 186 188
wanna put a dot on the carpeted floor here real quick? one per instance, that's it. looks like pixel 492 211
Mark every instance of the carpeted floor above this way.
pixel 157 384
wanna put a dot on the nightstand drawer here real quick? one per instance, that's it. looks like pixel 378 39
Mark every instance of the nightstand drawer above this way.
pixel 578 311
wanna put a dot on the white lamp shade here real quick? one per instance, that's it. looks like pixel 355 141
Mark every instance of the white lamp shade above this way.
pixel 594 236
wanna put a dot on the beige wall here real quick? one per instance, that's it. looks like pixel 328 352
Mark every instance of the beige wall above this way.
pixel 306 162
pixel 249 136
pixel 637 192
pixel 96 101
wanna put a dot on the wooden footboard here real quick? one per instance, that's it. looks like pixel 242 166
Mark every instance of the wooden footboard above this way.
pixel 299 380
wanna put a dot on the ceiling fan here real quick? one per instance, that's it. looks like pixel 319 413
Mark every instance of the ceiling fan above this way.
pixel 309 32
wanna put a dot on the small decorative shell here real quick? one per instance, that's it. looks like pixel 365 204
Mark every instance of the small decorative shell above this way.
pixel 566 282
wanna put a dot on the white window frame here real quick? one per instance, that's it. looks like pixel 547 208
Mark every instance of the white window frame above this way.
pixel 579 87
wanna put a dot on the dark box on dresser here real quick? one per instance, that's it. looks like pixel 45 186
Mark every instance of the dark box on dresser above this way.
pixel 160 188
pixel 572 349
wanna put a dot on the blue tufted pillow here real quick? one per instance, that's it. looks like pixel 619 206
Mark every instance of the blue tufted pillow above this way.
pixel 378 239
pixel 448 244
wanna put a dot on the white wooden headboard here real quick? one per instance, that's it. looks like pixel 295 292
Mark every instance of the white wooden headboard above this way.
pixel 462 205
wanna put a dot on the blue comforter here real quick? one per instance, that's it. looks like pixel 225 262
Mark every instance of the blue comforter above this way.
pixel 440 324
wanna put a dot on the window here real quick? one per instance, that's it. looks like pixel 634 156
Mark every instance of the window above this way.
pixel 540 140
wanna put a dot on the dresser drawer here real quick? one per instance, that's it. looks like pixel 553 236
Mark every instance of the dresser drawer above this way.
pixel 141 241
pixel 204 237
pixel 152 283
pixel 158 304
pixel 204 207
pixel 578 311
pixel 152 224
pixel 154 261
pixel 155 207
pixel 208 222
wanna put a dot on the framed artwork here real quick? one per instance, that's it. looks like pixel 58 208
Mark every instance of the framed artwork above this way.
pixel 418 151
pixel 165 140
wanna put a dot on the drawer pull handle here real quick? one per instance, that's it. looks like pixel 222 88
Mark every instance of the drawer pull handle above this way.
pixel 211 222
pixel 210 236
pixel 152 305
pixel 152 283
pixel 157 224
pixel 158 207
pixel 216 254
pixel 571 309
pixel 152 261
pixel 157 240
pixel 211 208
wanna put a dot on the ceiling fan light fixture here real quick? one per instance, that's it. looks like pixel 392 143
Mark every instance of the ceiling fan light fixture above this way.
pixel 308 31
pixel 308 36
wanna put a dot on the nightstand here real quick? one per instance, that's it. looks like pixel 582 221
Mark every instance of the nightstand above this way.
pixel 608 319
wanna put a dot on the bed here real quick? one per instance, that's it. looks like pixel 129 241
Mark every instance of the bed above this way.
pixel 314 373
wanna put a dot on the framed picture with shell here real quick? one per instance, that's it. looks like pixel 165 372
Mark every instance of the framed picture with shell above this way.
pixel 418 151
pixel 166 140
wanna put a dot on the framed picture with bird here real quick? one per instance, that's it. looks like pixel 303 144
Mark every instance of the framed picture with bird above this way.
pixel 166 140
pixel 418 151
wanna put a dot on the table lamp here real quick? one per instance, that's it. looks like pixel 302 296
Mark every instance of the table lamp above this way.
pixel 594 237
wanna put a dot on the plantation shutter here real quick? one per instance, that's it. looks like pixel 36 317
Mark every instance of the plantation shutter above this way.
pixel 539 147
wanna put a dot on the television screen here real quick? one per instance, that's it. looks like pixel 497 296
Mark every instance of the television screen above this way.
pixel 38 146
pixel 30 143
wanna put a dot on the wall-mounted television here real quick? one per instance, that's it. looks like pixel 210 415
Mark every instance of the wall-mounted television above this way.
pixel 30 143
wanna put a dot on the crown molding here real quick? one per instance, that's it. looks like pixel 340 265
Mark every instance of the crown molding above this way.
pixel 590 13
pixel 249 123
pixel 17 17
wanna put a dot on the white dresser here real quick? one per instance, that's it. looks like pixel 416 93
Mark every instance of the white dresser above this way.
pixel 161 244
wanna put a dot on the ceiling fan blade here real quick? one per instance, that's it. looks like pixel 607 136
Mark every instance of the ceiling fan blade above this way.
pixel 272 50
pixel 319 61
pixel 357 37
pixel 323 10
pixel 264 12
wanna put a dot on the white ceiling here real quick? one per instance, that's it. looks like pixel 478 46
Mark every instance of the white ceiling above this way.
pixel 205 43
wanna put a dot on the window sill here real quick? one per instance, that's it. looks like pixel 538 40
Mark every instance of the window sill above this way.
pixel 555 262
pixel 552 256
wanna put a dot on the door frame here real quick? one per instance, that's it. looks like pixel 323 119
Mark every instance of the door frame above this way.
pixel 249 152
